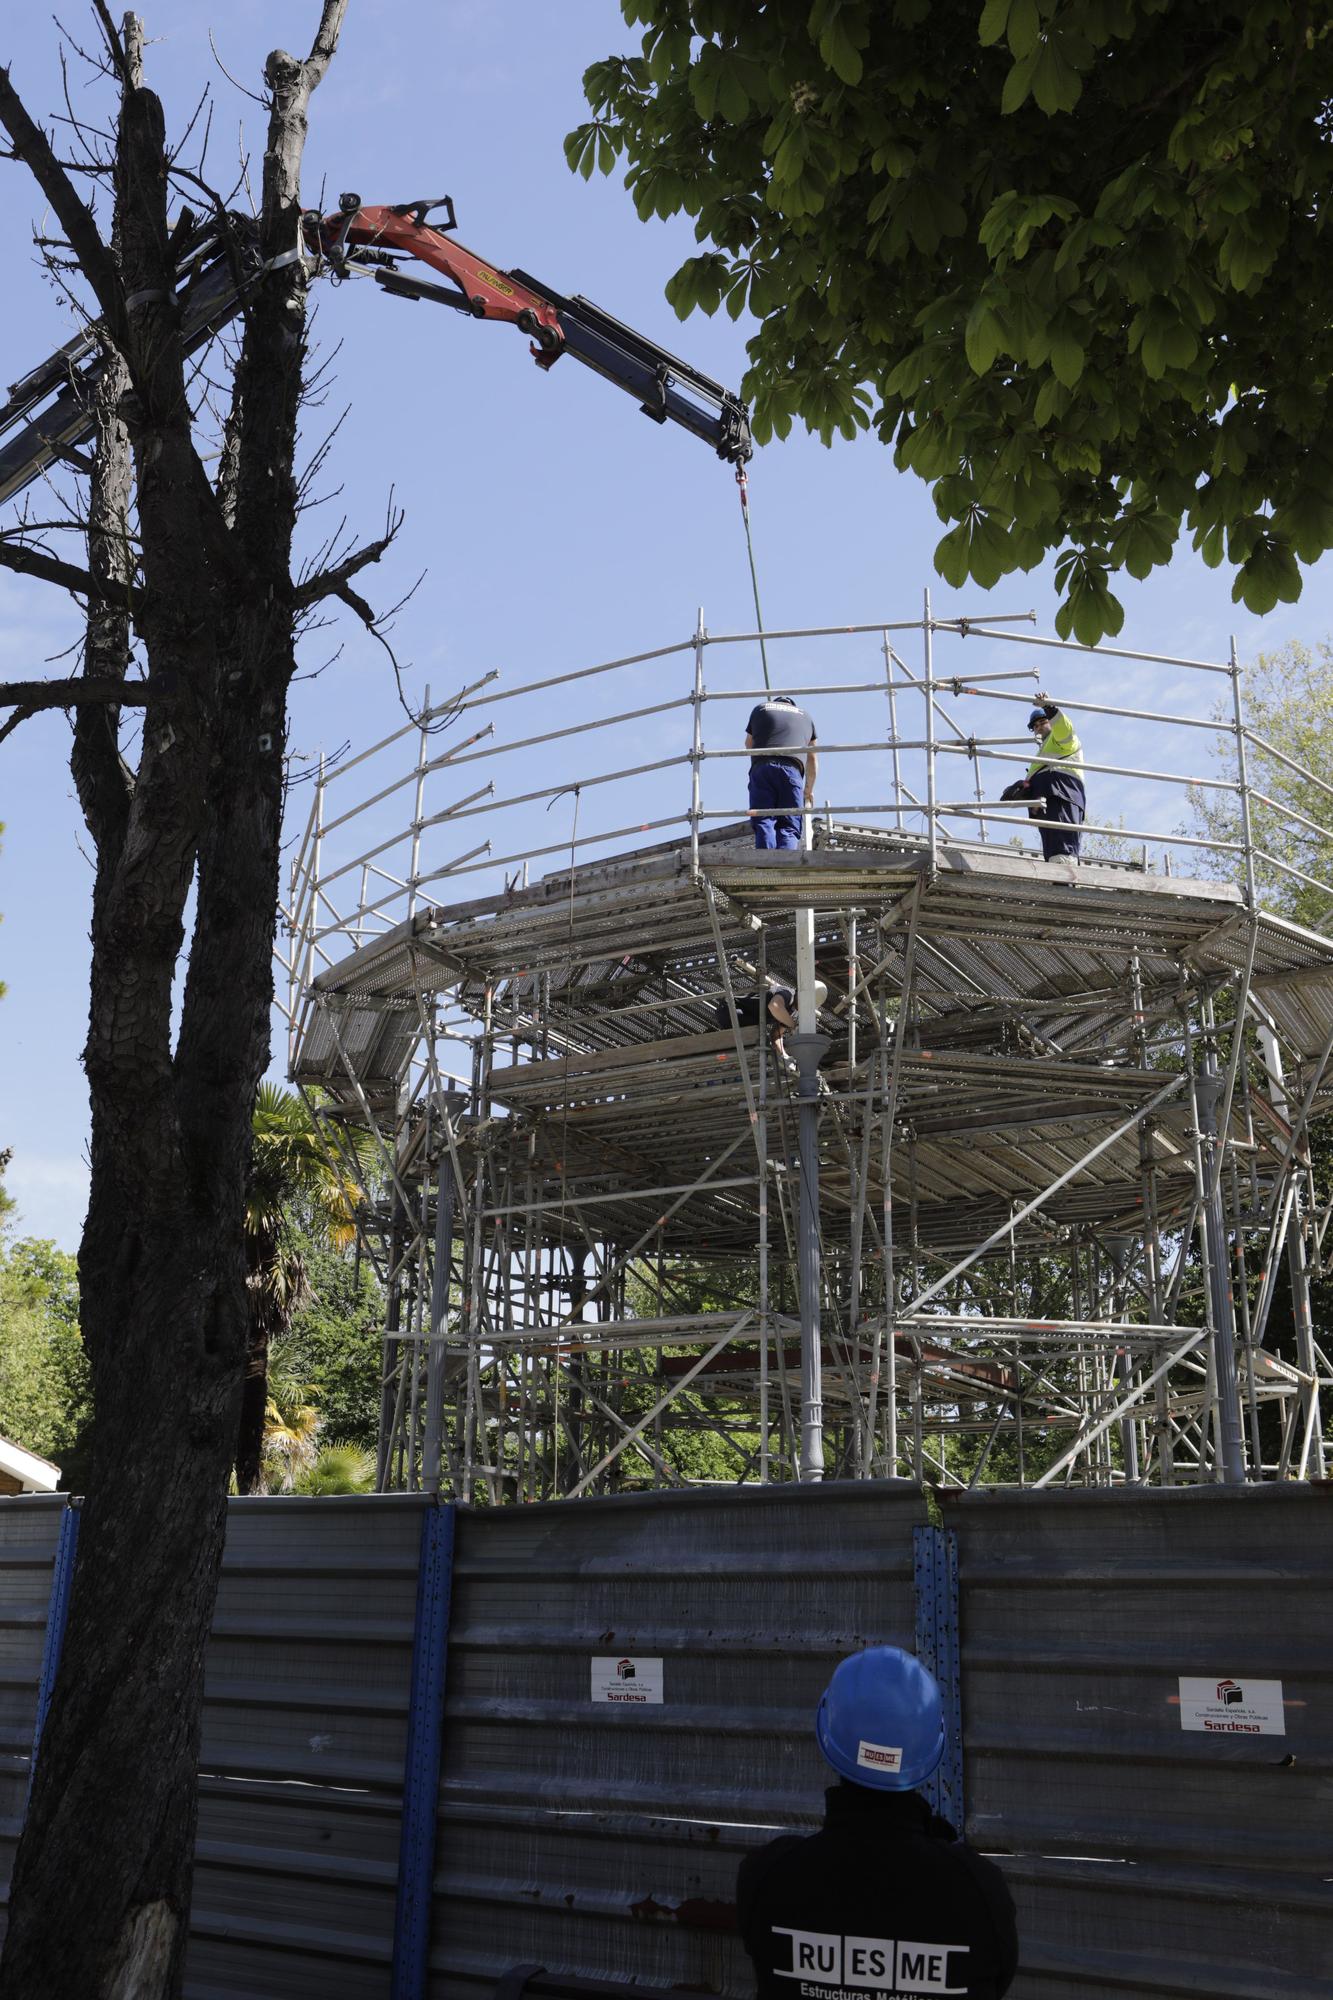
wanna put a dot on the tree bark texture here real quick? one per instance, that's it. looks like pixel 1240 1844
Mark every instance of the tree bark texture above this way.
pixel 99 1904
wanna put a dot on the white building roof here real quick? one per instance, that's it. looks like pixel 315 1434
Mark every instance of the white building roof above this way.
pixel 35 1475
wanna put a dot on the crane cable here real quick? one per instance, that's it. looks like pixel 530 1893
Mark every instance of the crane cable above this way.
pixel 743 484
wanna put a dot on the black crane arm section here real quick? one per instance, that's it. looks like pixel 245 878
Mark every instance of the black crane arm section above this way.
pixel 668 389
pixel 49 414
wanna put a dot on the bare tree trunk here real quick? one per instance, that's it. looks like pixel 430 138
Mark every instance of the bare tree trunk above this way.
pixel 99 1903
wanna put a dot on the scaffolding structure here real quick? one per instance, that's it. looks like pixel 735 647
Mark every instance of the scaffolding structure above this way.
pixel 1008 1220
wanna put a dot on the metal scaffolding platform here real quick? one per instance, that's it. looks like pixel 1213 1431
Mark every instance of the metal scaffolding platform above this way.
pixel 1041 1162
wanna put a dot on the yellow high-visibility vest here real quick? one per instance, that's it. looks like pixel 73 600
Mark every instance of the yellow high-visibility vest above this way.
pixel 1061 748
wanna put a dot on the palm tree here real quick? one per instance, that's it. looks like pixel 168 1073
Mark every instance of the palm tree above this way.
pixel 289 1170
pixel 338 1468
pixel 292 1423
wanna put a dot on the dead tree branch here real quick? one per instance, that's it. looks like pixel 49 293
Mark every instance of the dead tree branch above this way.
pixel 28 698
pixel 116 46
pixel 31 146
pixel 333 582
pixel 50 569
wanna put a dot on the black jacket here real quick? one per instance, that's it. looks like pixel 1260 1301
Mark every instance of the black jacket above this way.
pixel 884 1903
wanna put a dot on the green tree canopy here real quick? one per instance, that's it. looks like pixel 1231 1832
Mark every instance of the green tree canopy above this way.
pixel 43 1368
pixel 1066 256
pixel 335 1341
pixel 1288 705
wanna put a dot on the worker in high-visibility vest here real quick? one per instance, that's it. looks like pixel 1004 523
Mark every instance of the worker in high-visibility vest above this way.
pixel 1053 787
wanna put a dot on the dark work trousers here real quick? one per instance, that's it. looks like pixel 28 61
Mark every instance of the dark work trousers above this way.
pixel 775 791
pixel 1062 798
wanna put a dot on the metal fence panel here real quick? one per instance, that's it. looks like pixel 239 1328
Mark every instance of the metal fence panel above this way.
pixel 1157 1932
pixel 1080 1613
pixel 604 1839
pixel 29 1531
pixel 301 1764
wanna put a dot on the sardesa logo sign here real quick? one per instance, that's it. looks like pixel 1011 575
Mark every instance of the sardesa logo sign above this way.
pixel 1224 1706
pixel 627 1680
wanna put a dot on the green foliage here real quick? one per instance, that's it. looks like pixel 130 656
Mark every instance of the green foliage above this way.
pixel 1288 701
pixel 1065 256
pixel 291 1424
pixel 339 1468
pixel 299 1202
pixel 335 1343
pixel 324 1372
pixel 289 1168
pixel 43 1369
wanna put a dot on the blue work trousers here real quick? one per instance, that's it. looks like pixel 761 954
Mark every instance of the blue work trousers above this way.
pixel 775 795
pixel 1061 797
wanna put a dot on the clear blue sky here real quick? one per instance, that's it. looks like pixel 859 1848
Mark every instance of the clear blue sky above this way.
pixel 555 525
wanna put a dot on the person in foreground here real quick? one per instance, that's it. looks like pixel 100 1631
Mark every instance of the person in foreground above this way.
pixel 884 1902
pixel 1053 786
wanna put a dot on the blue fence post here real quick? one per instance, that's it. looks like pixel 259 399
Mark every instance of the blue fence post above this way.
pixel 421 1774
pixel 57 1616
pixel 935 1560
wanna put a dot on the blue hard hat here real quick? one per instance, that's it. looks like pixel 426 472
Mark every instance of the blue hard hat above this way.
pixel 880 1721
pixel 1037 715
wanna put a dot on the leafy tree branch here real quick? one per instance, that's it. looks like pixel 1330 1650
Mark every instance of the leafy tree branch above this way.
pixel 1067 258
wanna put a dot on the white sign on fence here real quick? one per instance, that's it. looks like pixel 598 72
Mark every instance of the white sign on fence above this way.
pixel 630 1683
pixel 1226 1707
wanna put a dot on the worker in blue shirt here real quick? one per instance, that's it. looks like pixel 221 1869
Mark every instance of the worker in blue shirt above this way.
pixel 785 775
pixel 1053 786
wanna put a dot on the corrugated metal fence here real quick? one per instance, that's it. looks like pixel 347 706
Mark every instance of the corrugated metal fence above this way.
pixel 305 1734
pixel 29 1534
pixel 1155 1860
pixel 603 1837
